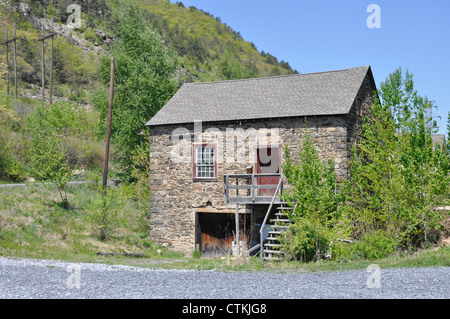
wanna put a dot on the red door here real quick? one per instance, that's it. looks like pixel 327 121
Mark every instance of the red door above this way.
pixel 268 162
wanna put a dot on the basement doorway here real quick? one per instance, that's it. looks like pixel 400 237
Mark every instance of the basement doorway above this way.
pixel 215 233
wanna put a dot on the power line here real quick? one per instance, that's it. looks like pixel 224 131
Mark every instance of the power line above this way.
pixel 43 38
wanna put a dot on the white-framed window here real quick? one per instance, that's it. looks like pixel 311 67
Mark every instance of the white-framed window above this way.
pixel 205 166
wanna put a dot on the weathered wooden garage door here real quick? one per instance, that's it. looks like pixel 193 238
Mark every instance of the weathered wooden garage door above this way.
pixel 215 232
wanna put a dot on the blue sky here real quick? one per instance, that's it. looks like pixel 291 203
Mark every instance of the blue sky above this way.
pixel 323 35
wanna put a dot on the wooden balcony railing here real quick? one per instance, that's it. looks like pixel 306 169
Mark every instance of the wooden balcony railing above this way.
pixel 252 188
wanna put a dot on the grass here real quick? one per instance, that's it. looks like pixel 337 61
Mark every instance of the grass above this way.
pixel 33 224
pixel 425 258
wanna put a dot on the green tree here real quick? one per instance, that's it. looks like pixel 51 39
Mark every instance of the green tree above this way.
pixel 448 136
pixel 397 176
pixel 104 209
pixel 47 155
pixel 141 168
pixel 143 80
pixel 376 187
pixel 312 193
pixel 230 69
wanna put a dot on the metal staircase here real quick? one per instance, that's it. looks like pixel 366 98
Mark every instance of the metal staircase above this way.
pixel 272 245
pixel 269 247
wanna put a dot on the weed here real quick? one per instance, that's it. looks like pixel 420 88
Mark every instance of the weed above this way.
pixel 196 254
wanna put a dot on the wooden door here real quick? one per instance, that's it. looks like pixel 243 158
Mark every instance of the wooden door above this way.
pixel 215 232
pixel 268 162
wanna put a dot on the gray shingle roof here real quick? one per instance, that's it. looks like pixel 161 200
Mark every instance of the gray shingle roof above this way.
pixel 325 93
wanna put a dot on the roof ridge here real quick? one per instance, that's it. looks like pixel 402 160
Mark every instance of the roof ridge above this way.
pixel 273 76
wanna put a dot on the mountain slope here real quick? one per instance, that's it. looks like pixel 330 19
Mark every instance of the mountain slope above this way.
pixel 74 69
pixel 158 46
pixel 208 50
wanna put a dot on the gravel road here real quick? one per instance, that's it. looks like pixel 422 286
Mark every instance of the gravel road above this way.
pixel 43 279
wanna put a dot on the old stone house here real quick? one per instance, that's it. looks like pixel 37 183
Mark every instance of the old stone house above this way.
pixel 216 150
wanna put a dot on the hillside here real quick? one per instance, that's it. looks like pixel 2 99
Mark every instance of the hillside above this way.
pixel 207 48
pixel 158 46
pixel 75 69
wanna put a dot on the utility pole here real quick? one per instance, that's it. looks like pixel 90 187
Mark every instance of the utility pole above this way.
pixel 43 38
pixel 51 65
pixel 15 62
pixel 236 236
pixel 43 63
pixel 6 43
pixel 108 129
pixel 7 62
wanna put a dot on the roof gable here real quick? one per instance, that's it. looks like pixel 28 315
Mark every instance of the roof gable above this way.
pixel 325 93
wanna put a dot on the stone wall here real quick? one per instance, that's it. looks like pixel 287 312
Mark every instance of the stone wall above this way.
pixel 354 122
pixel 174 194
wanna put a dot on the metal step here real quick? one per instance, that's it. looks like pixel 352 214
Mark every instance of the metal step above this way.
pixel 271 251
pixel 282 220
pixel 272 245
pixel 273 258
pixel 272 248
pixel 279 226
pixel 280 214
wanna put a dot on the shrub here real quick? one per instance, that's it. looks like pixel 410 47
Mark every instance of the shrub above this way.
pixel 90 35
pixel 306 240
pixel 373 245
pixel 11 167
pixel 376 245
pixel 75 128
pixel 342 251
pixel 47 156
pixel 87 154
pixel 103 211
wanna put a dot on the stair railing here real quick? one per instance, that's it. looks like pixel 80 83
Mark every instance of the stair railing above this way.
pixel 261 230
